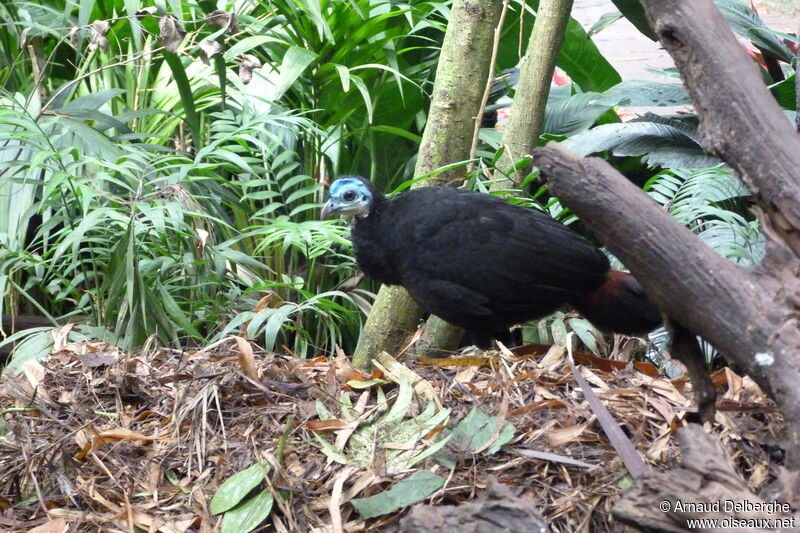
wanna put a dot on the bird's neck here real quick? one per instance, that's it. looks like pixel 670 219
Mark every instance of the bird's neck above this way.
pixel 379 202
pixel 373 244
pixel 367 224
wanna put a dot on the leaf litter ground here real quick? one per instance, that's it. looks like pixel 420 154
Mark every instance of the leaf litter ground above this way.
pixel 96 439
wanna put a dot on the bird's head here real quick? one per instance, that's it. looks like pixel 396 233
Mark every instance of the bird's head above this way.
pixel 350 196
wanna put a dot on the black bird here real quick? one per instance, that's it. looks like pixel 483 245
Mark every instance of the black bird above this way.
pixel 482 263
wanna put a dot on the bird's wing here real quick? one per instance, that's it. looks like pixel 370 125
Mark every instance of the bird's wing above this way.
pixel 487 247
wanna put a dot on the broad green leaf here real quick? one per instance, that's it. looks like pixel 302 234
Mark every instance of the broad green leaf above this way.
pixel 511 49
pixel 606 20
pixel 662 141
pixel 430 450
pixel 93 101
pixel 90 114
pixel 580 58
pixel 332 452
pixel 401 404
pixel 247 44
pixel 94 142
pixel 399 132
pixel 249 515
pixel 85 12
pixel 235 488
pixel 131 7
pixel 32 345
pixel 407 492
pixel 634 12
pixel 785 93
pixel 313 8
pixel 175 312
pixel 293 65
pixel 275 324
pixel 586 333
pixel 475 430
pixel 647 93
pixel 186 96
pixel 366 384
pixel 344 75
pixel 559 331
pixel 575 114
pixel 322 412
pixel 362 88
pixel 748 24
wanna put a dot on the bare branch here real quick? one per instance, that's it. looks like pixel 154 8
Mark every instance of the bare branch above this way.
pixel 739 119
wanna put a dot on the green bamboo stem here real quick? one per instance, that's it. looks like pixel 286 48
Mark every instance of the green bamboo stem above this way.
pixel 527 111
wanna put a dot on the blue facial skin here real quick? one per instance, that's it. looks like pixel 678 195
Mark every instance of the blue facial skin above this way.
pixel 349 197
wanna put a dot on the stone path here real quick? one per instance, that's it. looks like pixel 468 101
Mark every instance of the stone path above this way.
pixel 629 51
pixel 632 54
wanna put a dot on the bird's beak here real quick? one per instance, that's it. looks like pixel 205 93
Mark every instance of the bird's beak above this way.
pixel 327 211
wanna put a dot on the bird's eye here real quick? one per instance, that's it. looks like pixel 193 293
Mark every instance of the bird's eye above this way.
pixel 349 196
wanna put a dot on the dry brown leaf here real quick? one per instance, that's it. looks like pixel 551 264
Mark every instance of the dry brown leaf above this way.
pixel 327 426
pixel 171 33
pixel 98 39
pixel 662 408
pixel 247 64
pixel 154 523
pixel 464 376
pixel 594 379
pixel 208 49
pixel 445 362
pixel 734 384
pixel 535 406
pixel 223 19
pixel 659 449
pixel 394 370
pixel 247 358
pixel 118 434
pixel 553 358
pixel 621 443
pixel 184 400
pixel 146 11
pixel 321 360
pixel 61 337
pixel 345 371
pixel 334 506
pixel 561 436
pixel 59 525
pixel 667 390
pixel 758 476
pixel 34 373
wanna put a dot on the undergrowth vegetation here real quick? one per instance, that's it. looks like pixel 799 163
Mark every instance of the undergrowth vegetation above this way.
pixel 162 166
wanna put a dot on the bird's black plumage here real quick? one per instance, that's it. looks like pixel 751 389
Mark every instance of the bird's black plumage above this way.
pixel 482 263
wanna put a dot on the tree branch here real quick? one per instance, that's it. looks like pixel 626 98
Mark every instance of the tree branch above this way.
pixel 704 292
pixel 739 119
pixel 663 501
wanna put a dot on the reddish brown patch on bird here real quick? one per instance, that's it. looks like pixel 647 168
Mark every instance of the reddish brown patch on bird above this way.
pixel 620 305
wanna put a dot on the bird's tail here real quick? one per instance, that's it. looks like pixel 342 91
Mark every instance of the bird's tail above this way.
pixel 620 305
